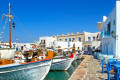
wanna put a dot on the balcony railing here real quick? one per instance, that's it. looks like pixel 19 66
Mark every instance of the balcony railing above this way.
pixel 105 34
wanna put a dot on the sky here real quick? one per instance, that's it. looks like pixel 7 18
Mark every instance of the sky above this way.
pixel 37 18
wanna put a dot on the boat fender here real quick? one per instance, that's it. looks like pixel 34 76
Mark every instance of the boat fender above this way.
pixel 71 56
pixel 49 55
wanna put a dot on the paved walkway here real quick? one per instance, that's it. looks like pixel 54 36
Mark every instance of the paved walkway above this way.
pixel 89 69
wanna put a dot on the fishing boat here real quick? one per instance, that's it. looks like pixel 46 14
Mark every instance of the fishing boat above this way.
pixel 36 70
pixel 62 63
pixel 27 67
pixel 75 56
pixel 74 53
pixel 79 54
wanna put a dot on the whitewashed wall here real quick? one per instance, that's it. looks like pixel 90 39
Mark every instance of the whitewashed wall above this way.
pixel 91 35
pixel 112 42
pixel 95 43
pixel 65 45
pixel 48 40
pixel 118 28
pixel 109 42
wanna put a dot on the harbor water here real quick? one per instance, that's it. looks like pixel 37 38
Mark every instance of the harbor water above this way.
pixel 63 75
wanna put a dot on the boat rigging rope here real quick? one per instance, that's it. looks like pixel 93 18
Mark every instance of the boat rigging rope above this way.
pixel 2 18
pixel 4 26
pixel 14 30
pixel 1 21
pixel 20 24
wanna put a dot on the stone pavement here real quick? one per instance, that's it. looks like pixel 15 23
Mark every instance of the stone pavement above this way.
pixel 89 69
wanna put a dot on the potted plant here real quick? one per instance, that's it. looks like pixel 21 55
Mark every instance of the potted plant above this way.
pixel 112 33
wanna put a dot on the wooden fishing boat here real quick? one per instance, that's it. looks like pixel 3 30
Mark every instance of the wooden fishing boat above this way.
pixel 74 54
pixel 27 67
pixel 36 70
pixel 62 63
pixel 79 55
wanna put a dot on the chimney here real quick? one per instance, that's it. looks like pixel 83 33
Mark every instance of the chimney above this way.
pixel 83 32
pixel 104 18
pixel 77 32
pixel 72 33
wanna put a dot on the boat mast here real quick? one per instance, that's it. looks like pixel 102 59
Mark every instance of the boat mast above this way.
pixel 9 26
pixel 10 17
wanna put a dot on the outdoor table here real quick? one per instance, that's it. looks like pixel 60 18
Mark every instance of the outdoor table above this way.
pixel 106 59
pixel 117 68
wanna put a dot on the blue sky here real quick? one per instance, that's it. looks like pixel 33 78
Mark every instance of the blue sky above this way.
pixel 51 17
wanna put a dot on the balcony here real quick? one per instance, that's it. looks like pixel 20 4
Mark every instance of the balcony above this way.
pixel 105 34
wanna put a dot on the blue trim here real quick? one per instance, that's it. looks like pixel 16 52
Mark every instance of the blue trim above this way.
pixel 24 64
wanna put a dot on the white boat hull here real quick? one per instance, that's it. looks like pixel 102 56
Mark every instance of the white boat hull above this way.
pixel 75 56
pixel 30 71
pixel 79 56
pixel 61 64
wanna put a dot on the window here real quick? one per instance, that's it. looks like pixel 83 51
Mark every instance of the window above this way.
pixel 79 39
pixel 93 47
pixel 108 28
pixel 89 38
pixel 66 40
pixel 69 39
pixel 60 39
pixel 73 39
pixel 93 38
pixel 14 45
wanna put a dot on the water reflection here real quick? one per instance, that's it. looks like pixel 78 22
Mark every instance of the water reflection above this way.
pixel 74 64
pixel 63 75
pixel 57 75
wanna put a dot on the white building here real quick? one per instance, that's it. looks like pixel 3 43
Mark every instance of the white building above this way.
pixel 91 41
pixel 48 40
pixel 24 46
pixel 110 32
pixel 52 42
pixel 64 45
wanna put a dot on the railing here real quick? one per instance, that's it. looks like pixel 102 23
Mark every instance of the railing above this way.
pixel 105 34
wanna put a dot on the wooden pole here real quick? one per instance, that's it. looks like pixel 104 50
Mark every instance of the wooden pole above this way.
pixel 9 27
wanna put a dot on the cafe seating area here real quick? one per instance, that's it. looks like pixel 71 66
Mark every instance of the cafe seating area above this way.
pixel 110 65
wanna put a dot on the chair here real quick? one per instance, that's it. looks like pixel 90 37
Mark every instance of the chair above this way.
pixel 111 62
pixel 114 73
pixel 104 66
